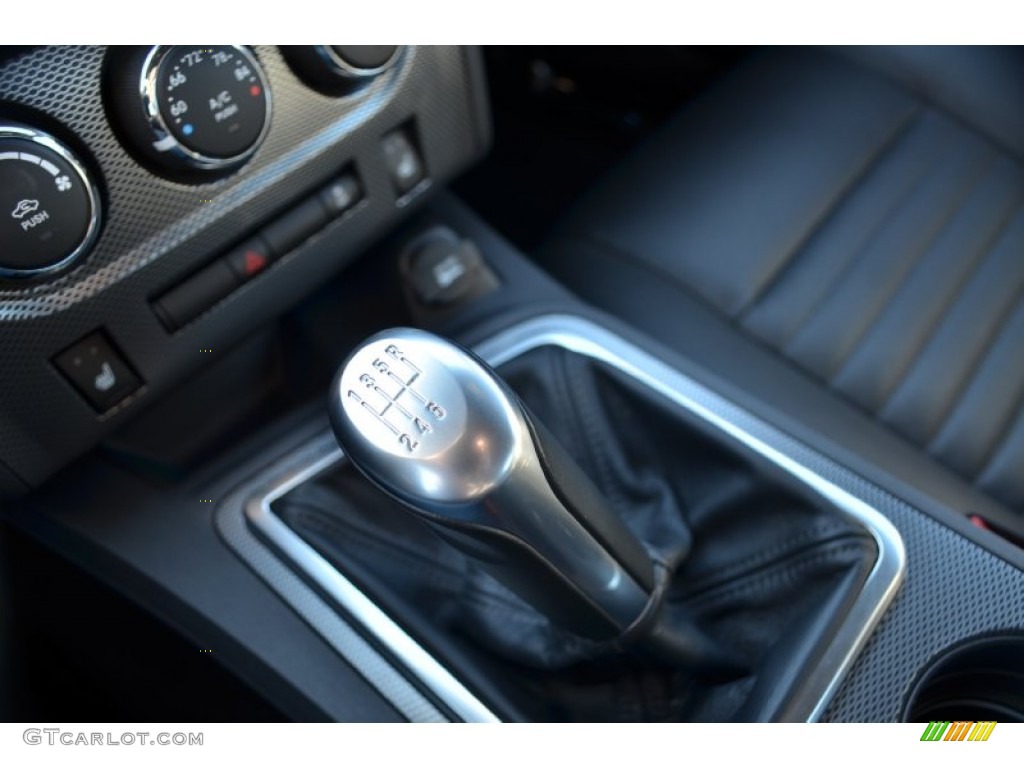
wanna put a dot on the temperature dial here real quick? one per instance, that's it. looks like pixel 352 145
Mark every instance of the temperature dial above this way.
pixel 204 107
pixel 339 69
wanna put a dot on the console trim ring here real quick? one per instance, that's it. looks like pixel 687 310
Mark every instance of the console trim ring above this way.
pixel 349 71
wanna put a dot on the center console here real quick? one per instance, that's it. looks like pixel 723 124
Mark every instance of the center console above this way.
pixel 839 560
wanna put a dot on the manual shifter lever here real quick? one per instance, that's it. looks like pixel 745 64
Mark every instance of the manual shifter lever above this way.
pixel 438 430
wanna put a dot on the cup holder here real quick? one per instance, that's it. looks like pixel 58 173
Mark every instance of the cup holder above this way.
pixel 982 679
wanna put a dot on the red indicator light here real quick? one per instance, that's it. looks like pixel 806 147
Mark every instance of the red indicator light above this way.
pixel 255 90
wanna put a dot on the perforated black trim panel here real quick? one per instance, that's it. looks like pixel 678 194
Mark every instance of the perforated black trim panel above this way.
pixel 953 590
pixel 156 231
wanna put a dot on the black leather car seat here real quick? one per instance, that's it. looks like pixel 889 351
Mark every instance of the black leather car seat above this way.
pixel 860 213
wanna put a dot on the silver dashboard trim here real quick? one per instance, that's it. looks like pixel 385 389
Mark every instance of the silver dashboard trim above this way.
pixel 586 338
pixel 333 60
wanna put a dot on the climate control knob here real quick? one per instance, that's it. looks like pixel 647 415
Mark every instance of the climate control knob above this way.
pixel 49 206
pixel 338 69
pixel 204 107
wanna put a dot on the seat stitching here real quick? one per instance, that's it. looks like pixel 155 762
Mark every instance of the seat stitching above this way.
pixel 852 262
pixel 678 284
pixel 978 129
pixel 996 454
pixel 938 228
pixel 1006 429
pixel 887 147
pixel 982 353
pixel 982 255
pixel 1014 404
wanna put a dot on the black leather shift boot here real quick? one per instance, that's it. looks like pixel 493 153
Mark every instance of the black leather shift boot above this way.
pixel 760 565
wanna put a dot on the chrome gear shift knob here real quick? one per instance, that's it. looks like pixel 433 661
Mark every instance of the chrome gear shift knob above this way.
pixel 437 429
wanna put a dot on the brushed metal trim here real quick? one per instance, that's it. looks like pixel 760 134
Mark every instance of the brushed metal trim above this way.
pixel 421 665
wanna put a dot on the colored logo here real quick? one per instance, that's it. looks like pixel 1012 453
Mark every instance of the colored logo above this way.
pixel 960 730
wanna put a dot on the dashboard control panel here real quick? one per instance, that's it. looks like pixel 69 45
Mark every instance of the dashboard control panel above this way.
pixel 168 201
pixel 201 290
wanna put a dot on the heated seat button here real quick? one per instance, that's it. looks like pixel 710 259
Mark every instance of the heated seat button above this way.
pixel 98 371
pixel 403 160
pixel 249 259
